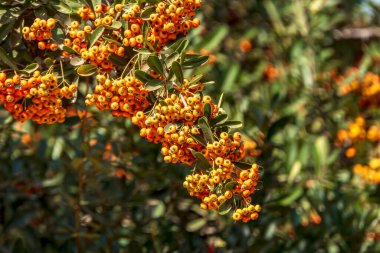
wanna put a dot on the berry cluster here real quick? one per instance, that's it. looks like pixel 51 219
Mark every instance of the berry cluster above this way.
pixel 173 18
pixel 85 13
pixel 96 54
pixel 40 31
pixel 246 214
pixel 370 172
pixel 174 122
pixel 124 96
pixel 364 129
pixel 209 187
pixel 123 27
pixel 169 109
pixel 367 87
pixel 358 131
pixel 38 97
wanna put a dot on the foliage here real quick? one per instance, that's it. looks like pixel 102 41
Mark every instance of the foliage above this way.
pixel 92 184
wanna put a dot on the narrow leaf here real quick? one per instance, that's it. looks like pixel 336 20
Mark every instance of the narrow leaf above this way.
pixel 95 35
pixel 232 124
pixel 192 61
pixel 147 12
pixel 117 60
pixel 203 162
pixel 242 165
pixel 155 64
pixel 4 57
pixel 177 46
pixel 31 68
pixel 143 76
pixel 225 207
pixel 206 130
pixel 116 25
pixel 196 224
pixel 87 70
pixel 177 69
pixel 230 185
pixel 220 119
pixel 207 111
pixel 199 139
pixel 69 50
pixel 220 100
pixel 110 39
pixel 195 79
pixel 154 84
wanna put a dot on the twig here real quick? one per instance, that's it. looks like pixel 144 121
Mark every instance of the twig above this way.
pixel 357 33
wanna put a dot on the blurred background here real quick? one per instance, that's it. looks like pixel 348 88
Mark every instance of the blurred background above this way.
pixel 280 66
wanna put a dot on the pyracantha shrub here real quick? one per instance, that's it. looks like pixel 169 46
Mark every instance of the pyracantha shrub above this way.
pixel 137 54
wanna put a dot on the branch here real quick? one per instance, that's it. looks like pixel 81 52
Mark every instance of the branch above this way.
pixel 357 33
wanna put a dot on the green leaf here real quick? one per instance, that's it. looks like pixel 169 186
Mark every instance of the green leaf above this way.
pixel 117 60
pixel 321 151
pixel 143 51
pixel 171 58
pixel 69 50
pixel 31 68
pixel 154 84
pixel 199 139
pixel 90 3
pixel 206 130
pixel 54 181
pixel 208 83
pixel 231 74
pixel 87 70
pixel 202 161
pixel 220 100
pixel 242 165
pixel 194 61
pixel 158 210
pixel 116 25
pixel 4 57
pixel 145 30
pixel 147 12
pixel 155 64
pixel 5 30
pixel 182 46
pixel 48 62
pixel 112 40
pixel 195 225
pixel 225 207
pixel 143 76
pixel 95 35
pixel 179 46
pixel 41 13
pixel 207 111
pixel 63 8
pixel 230 185
pixel 295 194
pixel 232 124
pixel 220 119
pixel 177 69
pixel 195 79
